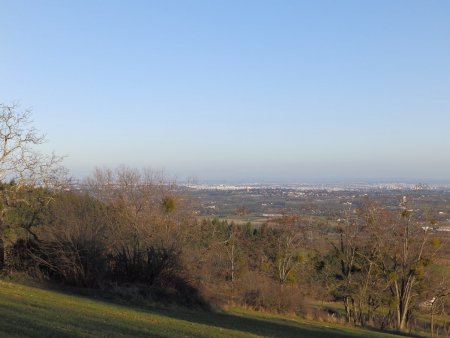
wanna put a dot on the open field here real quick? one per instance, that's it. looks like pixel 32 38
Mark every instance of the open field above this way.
pixel 33 312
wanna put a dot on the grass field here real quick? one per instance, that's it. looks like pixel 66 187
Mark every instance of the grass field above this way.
pixel 34 312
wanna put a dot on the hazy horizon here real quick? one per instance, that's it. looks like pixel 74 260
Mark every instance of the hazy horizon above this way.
pixel 170 176
pixel 237 91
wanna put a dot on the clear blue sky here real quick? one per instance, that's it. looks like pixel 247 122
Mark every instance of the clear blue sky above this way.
pixel 236 90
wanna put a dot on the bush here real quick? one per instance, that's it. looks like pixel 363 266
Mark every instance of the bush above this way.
pixel 84 242
pixel 263 293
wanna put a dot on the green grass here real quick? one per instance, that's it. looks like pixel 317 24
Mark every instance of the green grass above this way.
pixel 34 312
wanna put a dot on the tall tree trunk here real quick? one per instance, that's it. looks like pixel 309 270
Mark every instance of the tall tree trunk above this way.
pixel 2 254
pixel 348 315
pixel 5 255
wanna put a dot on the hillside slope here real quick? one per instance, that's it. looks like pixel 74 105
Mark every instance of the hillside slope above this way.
pixel 33 312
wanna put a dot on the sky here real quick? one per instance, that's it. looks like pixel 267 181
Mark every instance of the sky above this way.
pixel 236 91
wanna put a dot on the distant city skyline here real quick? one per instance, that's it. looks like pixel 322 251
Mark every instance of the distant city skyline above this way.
pixel 236 91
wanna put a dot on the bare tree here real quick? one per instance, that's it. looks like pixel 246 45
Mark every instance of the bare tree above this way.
pixel 403 250
pixel 156 220
pixel 21 164
pixel 437 295
pixel 346 251
pixel 289 242
pixel 19 160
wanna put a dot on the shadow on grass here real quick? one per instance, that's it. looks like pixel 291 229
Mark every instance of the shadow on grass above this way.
pixel 273 327
pixel 250 325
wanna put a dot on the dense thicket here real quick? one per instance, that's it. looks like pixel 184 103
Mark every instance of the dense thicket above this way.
pixel 128 237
